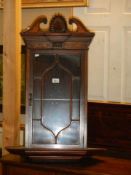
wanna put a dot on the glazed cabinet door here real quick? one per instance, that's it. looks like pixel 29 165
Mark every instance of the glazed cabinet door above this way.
pixel 55 87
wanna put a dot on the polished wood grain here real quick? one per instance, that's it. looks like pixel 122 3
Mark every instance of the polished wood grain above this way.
pixel 109 125
pixel 11 72
pixel 96 165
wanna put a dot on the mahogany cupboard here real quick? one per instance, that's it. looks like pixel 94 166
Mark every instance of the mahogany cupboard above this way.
pixel 56 90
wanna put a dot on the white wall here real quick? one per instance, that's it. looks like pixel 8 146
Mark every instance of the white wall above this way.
pixel 28 15
pixel 110 51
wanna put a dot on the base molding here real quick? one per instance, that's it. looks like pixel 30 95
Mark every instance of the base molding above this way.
pixel 40 155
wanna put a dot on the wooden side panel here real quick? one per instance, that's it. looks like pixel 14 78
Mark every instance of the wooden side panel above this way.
pixel 11 72
pixel 109 125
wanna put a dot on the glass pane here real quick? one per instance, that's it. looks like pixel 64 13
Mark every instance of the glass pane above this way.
pixel 56 98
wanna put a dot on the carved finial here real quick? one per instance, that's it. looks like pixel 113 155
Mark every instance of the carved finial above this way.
pixel 58 24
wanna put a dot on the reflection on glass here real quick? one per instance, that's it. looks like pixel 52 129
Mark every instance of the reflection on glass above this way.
pixel 56 99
